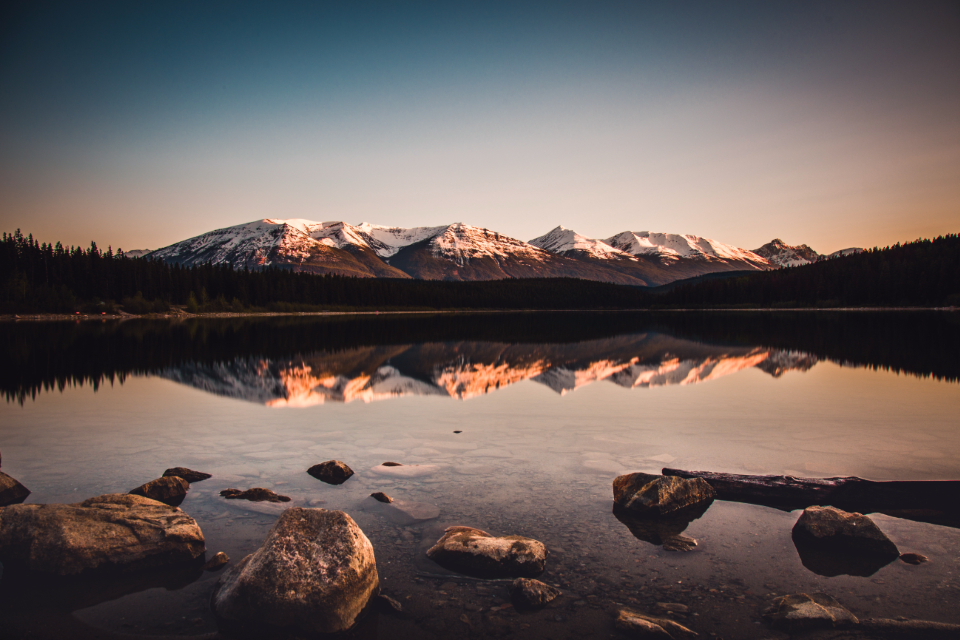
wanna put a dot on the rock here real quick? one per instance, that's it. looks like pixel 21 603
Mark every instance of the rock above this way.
pixel 640 625
pixel 314 574
pixel 170 490
pixel 645 494
pixel 187 474
pixel 331 472
pixel 380 496
pixel 532 594
pixel 391 464
pixel 405 470
pixel 680 543
pixel 800 612
pixel 119 531
pixel 11 491
pixel 257 494
pixel 477 553
pixel 831 529
pixel 218 561
pixel 914 558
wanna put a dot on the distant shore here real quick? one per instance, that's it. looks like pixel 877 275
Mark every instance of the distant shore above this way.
pixel 55 317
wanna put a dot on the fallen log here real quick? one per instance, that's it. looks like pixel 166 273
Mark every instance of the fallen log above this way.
pixel 934 501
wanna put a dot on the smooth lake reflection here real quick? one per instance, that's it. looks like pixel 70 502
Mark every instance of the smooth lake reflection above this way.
pixel 549 409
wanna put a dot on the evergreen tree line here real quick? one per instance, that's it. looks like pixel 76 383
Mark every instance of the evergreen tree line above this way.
pixel 50 278
pixel 919 273
pixel 47 278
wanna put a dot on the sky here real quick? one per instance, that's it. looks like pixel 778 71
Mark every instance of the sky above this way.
pixel 139 124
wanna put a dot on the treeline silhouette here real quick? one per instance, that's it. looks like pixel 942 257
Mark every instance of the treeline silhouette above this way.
pixel 919 273
pixel 48 356
pixel 49 278
pixel 46 278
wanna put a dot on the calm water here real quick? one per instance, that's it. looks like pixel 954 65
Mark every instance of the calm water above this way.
pixel 551 407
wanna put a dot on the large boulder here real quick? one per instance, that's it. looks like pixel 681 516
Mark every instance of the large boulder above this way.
pixel 649 495
pixel 831 529
pixel 314 573
pixel 477 553
pixel 169 490
pixel 11 491
pixel 331 472
pixel 187 474
pixel 799 612
pixel 113 531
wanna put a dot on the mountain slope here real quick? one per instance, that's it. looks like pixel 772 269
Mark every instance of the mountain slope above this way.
pixel 780 254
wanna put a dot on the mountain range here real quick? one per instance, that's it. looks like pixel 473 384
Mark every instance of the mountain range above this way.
pixel 462 252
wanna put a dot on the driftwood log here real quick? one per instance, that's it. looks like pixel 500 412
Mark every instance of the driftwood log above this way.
pixel 935 501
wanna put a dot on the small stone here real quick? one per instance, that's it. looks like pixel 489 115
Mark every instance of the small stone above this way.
pixel 640 625
pixel 391 464
pixel 477 553
pixel 189 475
pixel 257 494
pixel 914 558
pixel 532 594
pixel 331 472
pixel 11 491
pixel 801 612
pixel 458 431
pixel 218 561
pixel 169 490
pixel 380 496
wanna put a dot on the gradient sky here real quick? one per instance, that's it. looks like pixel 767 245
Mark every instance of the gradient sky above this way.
pixel 138 124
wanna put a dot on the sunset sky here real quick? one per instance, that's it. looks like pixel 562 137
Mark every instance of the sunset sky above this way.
pixel 138 124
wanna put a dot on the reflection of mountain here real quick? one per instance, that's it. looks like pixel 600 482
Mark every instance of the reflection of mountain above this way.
pixel 468 369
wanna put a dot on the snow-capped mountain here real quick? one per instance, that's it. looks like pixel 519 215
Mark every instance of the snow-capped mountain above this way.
pixel 565 241
pixel 137 253
pixel 845 252
pixel 672 247
pixel 463 252
pixel 780 254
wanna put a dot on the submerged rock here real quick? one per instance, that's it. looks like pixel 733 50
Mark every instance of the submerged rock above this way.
pixel 331 472
pixel 665 531
pixel 401 512
pixel 477 553
pixel 113 531
pixel 187 474
pixel 217 562
pixel 914 558
pixel 532 594
pixel 830 529
pixel 800 612
pixel 314 573
pixel 391 464
pixel 257 494
pixel 641 625
pixel 405 470
pixel 11 491
pixel 169 490
pixel 645 494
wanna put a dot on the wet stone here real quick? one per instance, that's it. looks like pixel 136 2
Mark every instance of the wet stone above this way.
pixel 914 558
pixel 331 472
pixel 217 562
pixel 187 474
pixel 11 491
pixel 257 494
pixel 532 594
pixel 802 612
pixel 169 490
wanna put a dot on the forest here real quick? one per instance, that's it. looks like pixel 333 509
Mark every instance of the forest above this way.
pixel 46 278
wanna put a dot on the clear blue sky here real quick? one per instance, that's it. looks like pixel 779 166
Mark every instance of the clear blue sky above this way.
pixel 137 124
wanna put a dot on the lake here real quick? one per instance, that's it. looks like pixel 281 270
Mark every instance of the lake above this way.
pixel 517 424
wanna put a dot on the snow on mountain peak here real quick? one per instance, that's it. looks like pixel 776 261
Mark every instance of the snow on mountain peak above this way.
pixel 672 246
pixel 780 254
pixel 563 240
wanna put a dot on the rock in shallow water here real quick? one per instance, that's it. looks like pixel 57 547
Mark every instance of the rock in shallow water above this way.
pixel 314 573
pixel 380 496
pixel 217 562
pixel 800 612
pixel 119 531
pixel 646 494
pixel 169 490
pixel 331 472
pixel 11 491
pixel 641 625
pixel 831 529
pixel 477 553
pixel 257 494
pixel 914 558
pixel 187 474
pixel 532 594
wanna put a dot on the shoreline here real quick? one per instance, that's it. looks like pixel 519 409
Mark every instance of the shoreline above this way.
pixel 59 317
